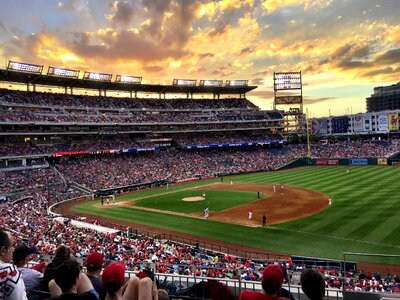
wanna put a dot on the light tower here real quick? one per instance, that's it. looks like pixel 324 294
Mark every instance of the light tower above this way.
pixel 288 91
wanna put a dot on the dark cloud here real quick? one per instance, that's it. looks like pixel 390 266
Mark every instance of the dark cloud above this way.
pixel 223 71
pixel 165 36
pixel 154 10
pixel 382 71
pixel 24 48
pixel 389 57
pixel 178 28
pixel 341 51
pixel 205 55
pixel 346 64
pixel 350 56
pixel 361 52
pixel 310 69
pixel 153 69
pixel 245 51
pixel 125 45
pixel 123 13
pixel 324 61
pixel 219 30
pixel 308 100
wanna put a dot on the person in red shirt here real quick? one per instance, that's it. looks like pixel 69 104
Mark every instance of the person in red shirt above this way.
pixel 271 283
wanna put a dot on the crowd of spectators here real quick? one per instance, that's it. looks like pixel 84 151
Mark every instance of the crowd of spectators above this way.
pixel 106 172
pixel 35 148
pixel 30 224
pixel 346 149
pixel 133 117
pixel 31 148
pixel 80 101
pixel 226 139
pixel 349 149
pixel 41 183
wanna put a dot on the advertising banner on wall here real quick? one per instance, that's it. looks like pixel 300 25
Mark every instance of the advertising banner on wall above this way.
pixel 319 126
pixel 358 161
pixel 382 161
pixel 358 123
pixel 393 122
pixel 327 162
pixel 340 124
pixel 367 122
pixel 382 123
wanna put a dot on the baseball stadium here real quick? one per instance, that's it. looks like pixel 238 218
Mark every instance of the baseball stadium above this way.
pixel 201 189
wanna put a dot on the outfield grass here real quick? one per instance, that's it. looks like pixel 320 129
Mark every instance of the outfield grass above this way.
pixel 216 200
pixel 364 217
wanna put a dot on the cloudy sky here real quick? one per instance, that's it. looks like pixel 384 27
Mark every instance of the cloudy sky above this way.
pixel 344 48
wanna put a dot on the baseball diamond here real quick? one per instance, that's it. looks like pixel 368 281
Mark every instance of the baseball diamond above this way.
pixel 299 222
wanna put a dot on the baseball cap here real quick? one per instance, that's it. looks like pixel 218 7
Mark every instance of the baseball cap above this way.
pixel 114 274
pixel 22 251
pixel 273 275
pixel 95 259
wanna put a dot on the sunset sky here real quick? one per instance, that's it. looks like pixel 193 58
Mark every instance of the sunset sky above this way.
pixel 343 48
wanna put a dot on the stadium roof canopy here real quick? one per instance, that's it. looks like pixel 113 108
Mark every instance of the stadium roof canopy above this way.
pixel 49 80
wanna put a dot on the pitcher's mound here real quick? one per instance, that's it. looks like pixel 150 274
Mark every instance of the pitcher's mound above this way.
pixel 192 199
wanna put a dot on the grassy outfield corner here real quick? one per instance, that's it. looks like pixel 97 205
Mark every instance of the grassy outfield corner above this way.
pixel 364 216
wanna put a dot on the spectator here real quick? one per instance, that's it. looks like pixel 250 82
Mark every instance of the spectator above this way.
pixel 94 264
pixel 31 277
pixel 69 279
pixel 114 280
pixel 312 284
pixel 12 285
pixel 272 281
pixel 63 254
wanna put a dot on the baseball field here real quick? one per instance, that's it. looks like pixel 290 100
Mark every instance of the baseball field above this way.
pixel 364 215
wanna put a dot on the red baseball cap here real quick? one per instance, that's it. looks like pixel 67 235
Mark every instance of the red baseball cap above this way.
pixel 114 274
pixel 273 275
pixel 95 259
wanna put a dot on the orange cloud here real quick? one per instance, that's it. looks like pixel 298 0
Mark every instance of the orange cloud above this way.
pixel 271 5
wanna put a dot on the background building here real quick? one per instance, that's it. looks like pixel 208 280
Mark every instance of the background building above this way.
pixel 384 98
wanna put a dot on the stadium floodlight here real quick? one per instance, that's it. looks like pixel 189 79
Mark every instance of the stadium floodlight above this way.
pixel 211 82
pixel 97 76
pixel 128 79
pixel 23 67
pixel 287 81
pixel 53 71
pixel 236 83
pixel 185 82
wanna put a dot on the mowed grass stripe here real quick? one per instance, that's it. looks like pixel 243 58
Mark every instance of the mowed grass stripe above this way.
pixel 357 203
pixel 215 200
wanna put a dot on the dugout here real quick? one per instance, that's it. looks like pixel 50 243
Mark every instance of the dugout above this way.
pixel 325 263
pixel 129 188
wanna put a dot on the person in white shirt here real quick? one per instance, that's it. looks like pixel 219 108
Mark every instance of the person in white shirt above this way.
pixel 12 286
pixel 206 212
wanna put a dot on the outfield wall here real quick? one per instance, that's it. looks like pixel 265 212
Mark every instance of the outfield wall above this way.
pixel 304 161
